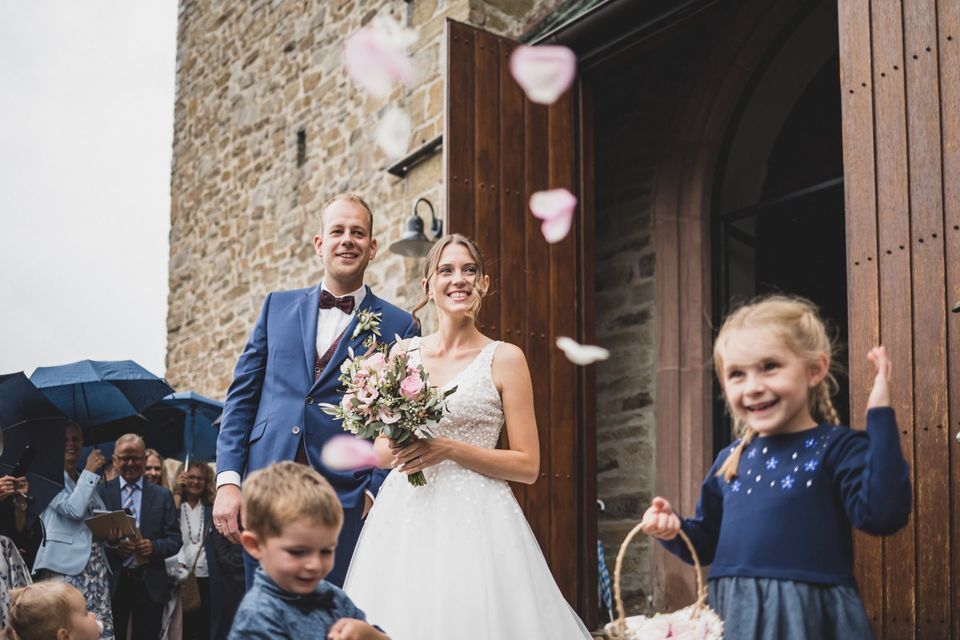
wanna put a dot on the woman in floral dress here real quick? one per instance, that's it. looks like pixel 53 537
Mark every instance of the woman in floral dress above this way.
pixel 70 552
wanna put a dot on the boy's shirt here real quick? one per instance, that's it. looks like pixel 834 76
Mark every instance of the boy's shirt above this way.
pixel 267 611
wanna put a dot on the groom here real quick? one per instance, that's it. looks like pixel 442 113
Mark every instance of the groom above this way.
pixel 290 366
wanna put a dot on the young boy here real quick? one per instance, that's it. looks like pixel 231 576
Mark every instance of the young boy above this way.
pixel 292 518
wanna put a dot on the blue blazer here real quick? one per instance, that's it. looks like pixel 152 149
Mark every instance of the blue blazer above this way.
pixel 159 523
pixel 274 401
pixel 66 549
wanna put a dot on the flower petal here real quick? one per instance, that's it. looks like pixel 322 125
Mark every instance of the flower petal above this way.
pixel 581 354
pixel 544 72
pixel 555 207
pixel 345 453
pixel 375 56
pixel 393 132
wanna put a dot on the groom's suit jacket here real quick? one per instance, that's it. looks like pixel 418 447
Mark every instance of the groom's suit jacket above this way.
pixel 274 400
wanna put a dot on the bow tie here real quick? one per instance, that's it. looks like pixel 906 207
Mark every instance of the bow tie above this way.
pixel 329 301
pixel 320 599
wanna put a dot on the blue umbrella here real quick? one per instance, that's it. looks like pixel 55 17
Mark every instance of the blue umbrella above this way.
pixel 93 392
pixel 33 439
pixel 199 432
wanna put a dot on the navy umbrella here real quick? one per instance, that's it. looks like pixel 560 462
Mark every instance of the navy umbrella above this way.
pixel 178 425
pixel 33 439
pixel 93 392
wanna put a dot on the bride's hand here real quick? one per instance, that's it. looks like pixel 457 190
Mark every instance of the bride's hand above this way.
pixel 419 454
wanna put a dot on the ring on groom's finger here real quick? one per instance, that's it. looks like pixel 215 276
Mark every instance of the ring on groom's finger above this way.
pixel 420 460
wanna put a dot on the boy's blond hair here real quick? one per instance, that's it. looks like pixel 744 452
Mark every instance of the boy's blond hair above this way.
pixel 286 492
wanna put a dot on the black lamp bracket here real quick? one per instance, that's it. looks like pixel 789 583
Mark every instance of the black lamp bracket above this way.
pixel 436 224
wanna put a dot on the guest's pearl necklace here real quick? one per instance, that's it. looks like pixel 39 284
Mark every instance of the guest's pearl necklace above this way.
pixel 190 528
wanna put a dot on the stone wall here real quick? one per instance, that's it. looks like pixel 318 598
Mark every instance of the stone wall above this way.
pixel 267 127
pixel 635 107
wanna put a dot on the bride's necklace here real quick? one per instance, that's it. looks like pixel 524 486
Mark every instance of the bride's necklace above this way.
pixel 190 528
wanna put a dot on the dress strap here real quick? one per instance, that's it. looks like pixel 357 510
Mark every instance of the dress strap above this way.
pixel 486 355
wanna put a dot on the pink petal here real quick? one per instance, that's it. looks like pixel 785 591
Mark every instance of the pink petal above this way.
pixel 375 56
pixel 555 207
pixel 543 72
pixel 345 453
pixel 393 132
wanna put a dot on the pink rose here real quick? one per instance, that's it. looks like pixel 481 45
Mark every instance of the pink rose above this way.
pixel 411 386
pixel 387 416
pixel 360 378
pixel 375 362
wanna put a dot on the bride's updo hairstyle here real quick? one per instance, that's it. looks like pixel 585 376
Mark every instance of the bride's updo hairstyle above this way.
pixel 433 261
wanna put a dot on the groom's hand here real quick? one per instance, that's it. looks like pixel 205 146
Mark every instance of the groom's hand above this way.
pixel 367 505
pixel 226 512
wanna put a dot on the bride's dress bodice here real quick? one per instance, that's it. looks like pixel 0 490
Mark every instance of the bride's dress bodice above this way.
pixel 475 409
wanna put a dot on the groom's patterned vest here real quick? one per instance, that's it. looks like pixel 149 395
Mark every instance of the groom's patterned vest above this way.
pixel 318 366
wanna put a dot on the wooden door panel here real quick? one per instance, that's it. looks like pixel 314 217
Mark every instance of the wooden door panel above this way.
pixel 499 149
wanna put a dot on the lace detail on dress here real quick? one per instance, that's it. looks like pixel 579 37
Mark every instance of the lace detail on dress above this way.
pixel 476 410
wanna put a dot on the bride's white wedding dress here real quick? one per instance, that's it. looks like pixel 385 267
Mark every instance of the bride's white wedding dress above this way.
pixel 456 558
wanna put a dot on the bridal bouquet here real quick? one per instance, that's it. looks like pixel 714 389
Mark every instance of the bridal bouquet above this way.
pixel 386 395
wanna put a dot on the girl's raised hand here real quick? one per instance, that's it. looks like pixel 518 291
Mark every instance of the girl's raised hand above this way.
pixel 660 521
pixel 880 394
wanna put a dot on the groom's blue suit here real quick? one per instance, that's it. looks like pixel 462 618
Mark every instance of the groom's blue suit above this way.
pixel 274 401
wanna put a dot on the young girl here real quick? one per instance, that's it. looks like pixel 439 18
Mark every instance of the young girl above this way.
pixel 51 610
pixel 775 512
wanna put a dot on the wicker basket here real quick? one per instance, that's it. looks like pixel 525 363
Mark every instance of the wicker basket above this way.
pixel 698 621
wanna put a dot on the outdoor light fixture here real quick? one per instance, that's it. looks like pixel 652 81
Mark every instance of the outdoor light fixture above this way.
pixel 413 243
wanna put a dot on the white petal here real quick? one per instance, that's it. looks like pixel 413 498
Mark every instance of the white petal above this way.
pixel 581 354
pixel 555 207
pixel 544 72
pixel 393 132
pixel 344 453
pixel 375 56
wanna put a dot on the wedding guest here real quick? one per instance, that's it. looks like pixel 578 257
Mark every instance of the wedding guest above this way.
pixel 229 562
pixel 291 365
pixel 52 610
pixel 14 572
pixel 14 518
pixel 70 552
pixel 292 519
pixel 197 493
pixel 172 618
pixel 140 591
pixel 153 469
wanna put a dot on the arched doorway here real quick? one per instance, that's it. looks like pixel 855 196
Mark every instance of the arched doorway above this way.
pixel 778 209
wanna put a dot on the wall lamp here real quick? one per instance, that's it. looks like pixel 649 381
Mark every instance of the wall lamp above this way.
pixel 413 243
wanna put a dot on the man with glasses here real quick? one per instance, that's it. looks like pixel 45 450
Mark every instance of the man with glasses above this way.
pixel 140 591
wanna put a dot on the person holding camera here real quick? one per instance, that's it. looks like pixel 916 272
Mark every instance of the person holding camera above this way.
pixel 70 553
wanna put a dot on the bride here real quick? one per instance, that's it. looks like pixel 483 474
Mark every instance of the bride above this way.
pixel 456 558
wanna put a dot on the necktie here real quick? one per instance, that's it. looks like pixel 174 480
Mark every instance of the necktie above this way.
pixel 329 301
pixel 130 506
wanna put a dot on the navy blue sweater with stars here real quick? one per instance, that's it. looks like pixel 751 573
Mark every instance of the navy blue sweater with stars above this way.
pixel 787 514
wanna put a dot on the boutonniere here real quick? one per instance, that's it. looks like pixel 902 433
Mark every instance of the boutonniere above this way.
pixel 367 321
